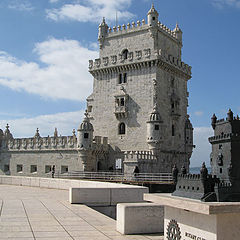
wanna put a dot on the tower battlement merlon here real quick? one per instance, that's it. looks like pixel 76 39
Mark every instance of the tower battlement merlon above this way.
pixel 140 26
pixel 139 56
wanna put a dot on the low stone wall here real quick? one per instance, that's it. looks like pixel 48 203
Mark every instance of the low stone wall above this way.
pixel 106 196
pixel 57 183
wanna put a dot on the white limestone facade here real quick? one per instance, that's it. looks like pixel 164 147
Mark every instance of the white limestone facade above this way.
pixel 140 95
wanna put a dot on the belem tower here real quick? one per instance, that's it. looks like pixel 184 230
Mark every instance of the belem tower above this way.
pixel 136 118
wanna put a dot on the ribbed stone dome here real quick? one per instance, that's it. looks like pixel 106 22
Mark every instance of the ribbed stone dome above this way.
pixel 155 116
pixel 153 10
pixel 86 125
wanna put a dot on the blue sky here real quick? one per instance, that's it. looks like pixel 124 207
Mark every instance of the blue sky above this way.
pixel 45 46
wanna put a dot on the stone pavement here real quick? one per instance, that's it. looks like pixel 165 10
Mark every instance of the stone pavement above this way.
pixel 37 213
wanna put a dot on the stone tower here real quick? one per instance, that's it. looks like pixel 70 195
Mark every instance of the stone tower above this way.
pixel 140 95
pixel 225 148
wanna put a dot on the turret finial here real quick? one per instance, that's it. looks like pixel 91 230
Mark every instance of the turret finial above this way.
pixel 37 135
pixel 55 133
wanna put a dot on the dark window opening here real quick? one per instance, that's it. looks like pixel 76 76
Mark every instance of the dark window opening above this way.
pixel 122 129
pixel 48 168
pixel 120 78
pixel 156 127
pixel 173 130
pixel 220 146
pixel 153 18
pixel 125 54
pixel 122 102
pixel 64 169
pixel 33 168
pixel 6 168
pixel 124 77
pixel 220 170
pixel 86 135
pixel 19 168
pixel 172 105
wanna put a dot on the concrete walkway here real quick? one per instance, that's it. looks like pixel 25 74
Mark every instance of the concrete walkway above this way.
pixel 37 213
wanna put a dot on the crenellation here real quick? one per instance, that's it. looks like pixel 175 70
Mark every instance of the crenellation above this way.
pixel 139 55
pixel 138 26
pixel 43 143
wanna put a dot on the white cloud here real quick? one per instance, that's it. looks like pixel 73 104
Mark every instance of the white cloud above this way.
pixel 65 75
pixel 21 5
pixel 222 3
pixel 203 148
pixel 91 11
pixel 26 127
pixel 198 113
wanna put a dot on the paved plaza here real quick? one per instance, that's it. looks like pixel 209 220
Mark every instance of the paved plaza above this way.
pixel 37 213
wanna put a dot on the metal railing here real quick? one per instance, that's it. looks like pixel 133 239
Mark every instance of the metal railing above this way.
pixel 164 178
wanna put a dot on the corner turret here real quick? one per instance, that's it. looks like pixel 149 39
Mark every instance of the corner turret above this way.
pixel 102 33
pixel 154 130
pixel 178 33
pixel 214 121
pixel 153 17
pixel 85 133
pixel 230 115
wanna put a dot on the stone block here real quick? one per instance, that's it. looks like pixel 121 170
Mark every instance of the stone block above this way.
pixel 90 196
pixel 17 180
pixel 44 183
pixel 35 182
pixel 53 183
pixel 135 218
pixel 6 180
pixel 26 181
pixel 127 195
pixel 64 184
pixel 193 219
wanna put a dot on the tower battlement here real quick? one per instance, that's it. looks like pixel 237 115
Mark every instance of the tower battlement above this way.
pixel 139 26
pixel 138 57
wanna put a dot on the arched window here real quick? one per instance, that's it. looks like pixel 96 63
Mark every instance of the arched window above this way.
pixel 122 129
pixel 125 54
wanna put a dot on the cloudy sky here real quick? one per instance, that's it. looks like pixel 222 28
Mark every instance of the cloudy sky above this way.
pixel 45 46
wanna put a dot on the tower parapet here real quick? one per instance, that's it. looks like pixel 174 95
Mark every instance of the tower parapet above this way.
pixel 159 57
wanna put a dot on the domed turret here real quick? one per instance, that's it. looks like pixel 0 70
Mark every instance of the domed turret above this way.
pixel 178 32
pixel 152 17
pixel 85 133
pixel 154 130
pixel 102 33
